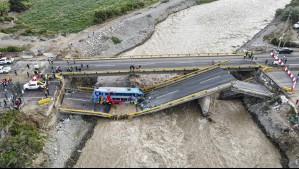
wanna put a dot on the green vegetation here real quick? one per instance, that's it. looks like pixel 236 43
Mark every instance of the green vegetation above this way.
pixel 282 14
pixel 292 111
pixel 11 49
pixel 4 8
pixel 198 2
pixel 292 8
pixel 114 11
pixel 115 40
pixel 71 16
pixel 21 143
pixel 19 5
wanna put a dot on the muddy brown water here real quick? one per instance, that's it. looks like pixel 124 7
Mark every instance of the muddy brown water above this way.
pixel 180 136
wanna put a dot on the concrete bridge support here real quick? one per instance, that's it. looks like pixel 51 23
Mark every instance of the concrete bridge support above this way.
pixel 204 104
pixel 229 94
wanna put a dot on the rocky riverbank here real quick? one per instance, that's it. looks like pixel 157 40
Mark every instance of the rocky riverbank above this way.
pixel 272 117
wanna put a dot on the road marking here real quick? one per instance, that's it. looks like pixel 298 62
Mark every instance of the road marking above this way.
pixel 210 79
pixel 167 94
pixel 79 99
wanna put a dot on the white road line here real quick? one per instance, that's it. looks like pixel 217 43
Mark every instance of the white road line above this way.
pixel 167 94
pixel 209 79
pixel 79 99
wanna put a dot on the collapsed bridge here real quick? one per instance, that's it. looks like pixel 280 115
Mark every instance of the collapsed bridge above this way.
pixel 195 85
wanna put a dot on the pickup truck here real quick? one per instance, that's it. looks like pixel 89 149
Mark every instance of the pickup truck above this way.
pixel 34 85
pixel 5 60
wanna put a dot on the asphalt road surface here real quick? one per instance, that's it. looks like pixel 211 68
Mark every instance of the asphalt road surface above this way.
pixel 188 86
pixel 124 64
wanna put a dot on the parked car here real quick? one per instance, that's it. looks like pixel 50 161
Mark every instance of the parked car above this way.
pixel 5 60
pixel 284 50
pixel 36 66
pixel 5 69
pixel 296 25
pixel 34 85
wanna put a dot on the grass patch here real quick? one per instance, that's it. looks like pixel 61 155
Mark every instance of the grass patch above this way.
pixel 14 29
pixel 72 16
pixel 199 2
pixel 11 49
pixel 115 40
pixel 22 142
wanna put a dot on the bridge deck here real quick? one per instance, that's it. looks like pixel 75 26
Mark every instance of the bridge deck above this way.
pixel 256 90
pixel 205 81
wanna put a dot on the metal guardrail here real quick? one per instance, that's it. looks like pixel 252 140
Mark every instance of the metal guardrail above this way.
pixel 148 56
pixel 86 112
pixel 157 70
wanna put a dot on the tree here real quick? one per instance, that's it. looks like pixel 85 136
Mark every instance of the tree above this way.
pixel 4 8
pixel 19 5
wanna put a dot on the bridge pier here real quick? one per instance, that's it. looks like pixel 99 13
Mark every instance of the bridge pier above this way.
pixel 229 94
pixel 204 104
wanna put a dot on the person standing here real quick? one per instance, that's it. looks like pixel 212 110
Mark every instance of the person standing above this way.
pixel 28 66
pixel 285 60
pixel 5 103
pixel 266 62
pixel 46 94
pixel 81 65
pixel 47 89
pixel 5 93
pixel 16 72
pixel 28 74
pixel 87 66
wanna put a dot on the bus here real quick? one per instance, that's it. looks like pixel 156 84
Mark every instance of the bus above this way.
pixel 117 95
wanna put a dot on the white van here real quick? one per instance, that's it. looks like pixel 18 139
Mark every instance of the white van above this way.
pixel 5 60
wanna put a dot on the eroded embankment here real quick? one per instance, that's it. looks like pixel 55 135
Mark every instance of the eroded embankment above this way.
pixel 269 116
pixel 132 31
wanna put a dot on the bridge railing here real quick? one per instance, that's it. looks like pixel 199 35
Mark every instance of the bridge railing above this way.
pixel 145 56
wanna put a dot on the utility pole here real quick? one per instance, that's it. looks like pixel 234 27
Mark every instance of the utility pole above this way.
pixel 283 33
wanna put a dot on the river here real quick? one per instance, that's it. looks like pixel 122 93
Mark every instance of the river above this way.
pixel 180 136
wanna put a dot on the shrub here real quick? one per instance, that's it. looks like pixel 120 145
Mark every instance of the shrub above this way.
pixel 19 5
pixel 104 14
pixel 11 49
pixel 278 12
pixel 8 18
pixel 22 142
pixel 115 40
pixel 292 111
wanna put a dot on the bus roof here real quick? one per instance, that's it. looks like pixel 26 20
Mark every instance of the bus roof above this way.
pixel 119 90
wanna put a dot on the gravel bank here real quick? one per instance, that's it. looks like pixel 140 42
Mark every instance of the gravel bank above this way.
pixel 132 31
